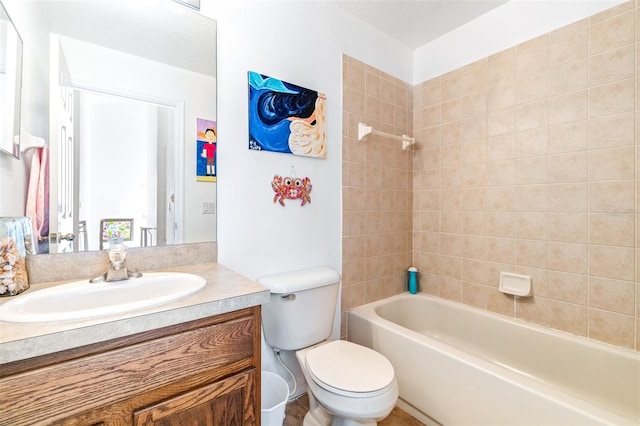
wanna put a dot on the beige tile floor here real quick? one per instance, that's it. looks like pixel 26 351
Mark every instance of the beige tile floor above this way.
pixel 295 411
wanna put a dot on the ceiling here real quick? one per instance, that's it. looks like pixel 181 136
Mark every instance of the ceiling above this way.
pixel 137 27
pixel 417 22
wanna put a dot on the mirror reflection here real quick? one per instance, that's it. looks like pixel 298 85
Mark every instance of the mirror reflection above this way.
pixel 137 185
pixel 127 83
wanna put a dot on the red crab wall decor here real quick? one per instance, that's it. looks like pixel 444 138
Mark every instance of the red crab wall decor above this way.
pixel 291 188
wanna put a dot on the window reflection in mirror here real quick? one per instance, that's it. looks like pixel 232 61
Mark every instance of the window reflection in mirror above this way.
pixel 127 82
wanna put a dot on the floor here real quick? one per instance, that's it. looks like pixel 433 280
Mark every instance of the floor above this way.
pixel 295 411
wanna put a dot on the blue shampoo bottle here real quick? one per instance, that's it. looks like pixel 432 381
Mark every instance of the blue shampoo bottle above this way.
pixel 413 280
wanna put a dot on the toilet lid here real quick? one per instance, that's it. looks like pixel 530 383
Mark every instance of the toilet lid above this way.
pixel 342 366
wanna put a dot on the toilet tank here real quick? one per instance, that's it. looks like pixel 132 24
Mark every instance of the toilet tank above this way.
pixel 301 309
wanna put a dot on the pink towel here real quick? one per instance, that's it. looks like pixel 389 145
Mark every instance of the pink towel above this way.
pixel 38 192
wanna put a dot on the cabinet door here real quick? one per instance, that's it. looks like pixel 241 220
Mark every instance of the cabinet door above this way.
pixel 224 403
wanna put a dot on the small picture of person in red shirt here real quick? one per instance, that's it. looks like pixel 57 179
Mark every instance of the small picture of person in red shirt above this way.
pixel 209 151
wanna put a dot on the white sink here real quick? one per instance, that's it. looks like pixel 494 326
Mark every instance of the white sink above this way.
pixel 84 300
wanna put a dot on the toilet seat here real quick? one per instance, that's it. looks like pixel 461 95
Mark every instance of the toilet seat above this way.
pixel 348 369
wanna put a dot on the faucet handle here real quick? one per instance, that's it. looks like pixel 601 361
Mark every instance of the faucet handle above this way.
pixel 117 252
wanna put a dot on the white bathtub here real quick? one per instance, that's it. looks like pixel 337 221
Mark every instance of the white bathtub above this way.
pixel 459 365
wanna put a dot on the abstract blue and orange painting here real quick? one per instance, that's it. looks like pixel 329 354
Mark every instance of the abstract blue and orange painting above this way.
pixel 286 118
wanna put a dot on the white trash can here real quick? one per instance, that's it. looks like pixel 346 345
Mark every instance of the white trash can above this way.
pixel 275 393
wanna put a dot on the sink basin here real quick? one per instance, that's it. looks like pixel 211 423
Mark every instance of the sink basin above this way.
pixel 84 300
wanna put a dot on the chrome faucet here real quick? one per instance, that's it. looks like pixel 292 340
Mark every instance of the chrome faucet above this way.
pixel 117 270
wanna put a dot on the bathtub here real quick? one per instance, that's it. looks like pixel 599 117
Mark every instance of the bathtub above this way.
pixel 458 365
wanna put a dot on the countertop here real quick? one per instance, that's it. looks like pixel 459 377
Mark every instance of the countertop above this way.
pixel 225 291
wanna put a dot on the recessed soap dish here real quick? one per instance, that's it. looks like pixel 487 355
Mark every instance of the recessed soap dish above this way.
pixel 515 284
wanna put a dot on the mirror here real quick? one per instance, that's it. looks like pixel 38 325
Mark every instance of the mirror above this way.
pixel 128 81
pixel 10 84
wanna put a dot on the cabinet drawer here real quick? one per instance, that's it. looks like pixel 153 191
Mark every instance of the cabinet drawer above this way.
pixel 222 403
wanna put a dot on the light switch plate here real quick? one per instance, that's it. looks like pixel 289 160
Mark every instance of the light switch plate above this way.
pixel 209 207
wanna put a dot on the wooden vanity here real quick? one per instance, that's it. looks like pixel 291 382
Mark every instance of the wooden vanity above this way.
pixel 201 369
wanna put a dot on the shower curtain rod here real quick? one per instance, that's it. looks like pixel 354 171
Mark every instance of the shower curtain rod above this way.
pixel 364 130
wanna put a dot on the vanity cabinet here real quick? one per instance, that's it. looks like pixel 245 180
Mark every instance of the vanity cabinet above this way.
pixel 203 372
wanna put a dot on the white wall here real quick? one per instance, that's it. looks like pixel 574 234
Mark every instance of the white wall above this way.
pixel 301 43
pixel 35 78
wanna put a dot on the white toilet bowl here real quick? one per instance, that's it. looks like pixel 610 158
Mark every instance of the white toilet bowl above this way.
pixel 348 384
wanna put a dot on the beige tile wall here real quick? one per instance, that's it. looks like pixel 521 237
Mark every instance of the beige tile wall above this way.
pixel 377 179
pixel 527 161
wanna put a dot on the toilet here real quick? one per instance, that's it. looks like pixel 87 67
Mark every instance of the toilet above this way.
pixel 347 384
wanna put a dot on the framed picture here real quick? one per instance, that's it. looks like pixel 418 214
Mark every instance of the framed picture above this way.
pixel 286 118
pixel 206 150
pixel 110 228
